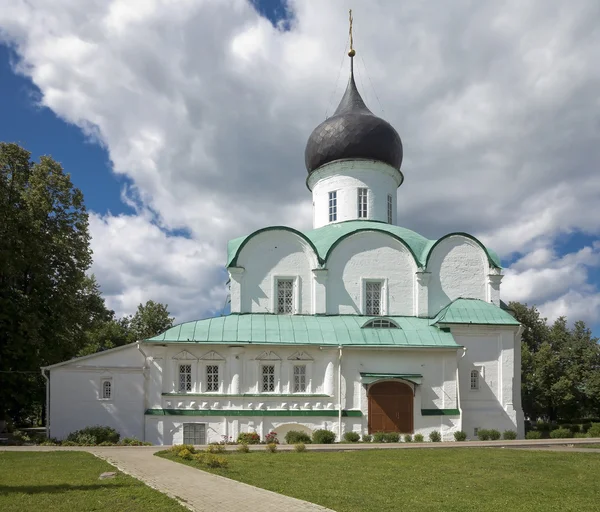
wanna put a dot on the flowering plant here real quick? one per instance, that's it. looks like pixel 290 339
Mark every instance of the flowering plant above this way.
pixel 248 438
pixel 271 438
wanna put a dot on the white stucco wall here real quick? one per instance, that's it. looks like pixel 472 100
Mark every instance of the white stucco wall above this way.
pixel 459 268
pixel 346 177
pixel 270 255
pixel 497 402
pixel 370 255
pixel 75 394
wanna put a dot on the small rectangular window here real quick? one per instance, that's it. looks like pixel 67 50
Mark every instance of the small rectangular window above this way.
pixel 194 433
pixel 475 375
pixel 106 389
pixel 300 378
pixel 476 431
pixel 362 203
pixel 373 298
pixel 212 377
pixel 268 378
pixel 390 206
pixel 185 378
pixel 332 206
pixel 285 296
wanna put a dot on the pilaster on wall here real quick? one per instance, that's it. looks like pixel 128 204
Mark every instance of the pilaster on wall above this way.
pixel 236 275
pixel 319 291
pixel 493 287
pixel 235 366
pixel 422 293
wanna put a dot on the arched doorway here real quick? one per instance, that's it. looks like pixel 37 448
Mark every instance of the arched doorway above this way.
pixel 390 407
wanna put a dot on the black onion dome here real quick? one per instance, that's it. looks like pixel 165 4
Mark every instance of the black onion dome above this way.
pixel 353 132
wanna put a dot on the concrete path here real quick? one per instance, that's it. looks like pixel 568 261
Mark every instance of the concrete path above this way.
pixel 201 491
pixel 195 489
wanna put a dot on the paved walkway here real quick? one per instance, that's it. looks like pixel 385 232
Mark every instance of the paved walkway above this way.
pixel 201 491
pixel 196 490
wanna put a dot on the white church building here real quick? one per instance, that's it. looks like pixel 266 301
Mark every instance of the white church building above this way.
pixel 356 325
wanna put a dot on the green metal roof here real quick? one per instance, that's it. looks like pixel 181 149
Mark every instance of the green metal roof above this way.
pixel 346 330
pixel 473 311
pixel 323 240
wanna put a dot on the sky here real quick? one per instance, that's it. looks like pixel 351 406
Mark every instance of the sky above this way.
pixel 184 123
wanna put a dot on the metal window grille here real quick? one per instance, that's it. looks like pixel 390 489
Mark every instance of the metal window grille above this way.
pixel 362 203
pixel 381 324
pixel 390 205
pixel 268 378
pixel 107 389
pixel 300 379
pixel 185 378
pixel 332 206
pixel 373 299
pixel 194 433
pixel 474 379
pixel 285 296
pixel 212 377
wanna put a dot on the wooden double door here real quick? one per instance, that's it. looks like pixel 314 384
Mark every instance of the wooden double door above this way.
pixel 391 407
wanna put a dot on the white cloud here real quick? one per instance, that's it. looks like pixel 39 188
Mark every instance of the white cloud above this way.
pixel 206 107
pixel 558 285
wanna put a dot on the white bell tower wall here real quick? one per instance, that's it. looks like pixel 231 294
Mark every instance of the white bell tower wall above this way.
pixel 345 178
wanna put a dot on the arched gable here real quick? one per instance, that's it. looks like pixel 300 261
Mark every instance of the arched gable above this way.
pixel 492 257
pixel 459 265
pixel 236 246
pixel 268 256
pixel 370 255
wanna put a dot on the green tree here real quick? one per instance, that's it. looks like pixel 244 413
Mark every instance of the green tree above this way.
pixel 149 320
pixel 560 367
pixel 44 255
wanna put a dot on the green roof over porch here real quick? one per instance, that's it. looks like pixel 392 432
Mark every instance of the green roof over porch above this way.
pixel 322 330
pixel 474 311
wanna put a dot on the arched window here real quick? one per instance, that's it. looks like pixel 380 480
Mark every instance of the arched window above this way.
pixel 474 379
pixel 380 324
pixel 106 389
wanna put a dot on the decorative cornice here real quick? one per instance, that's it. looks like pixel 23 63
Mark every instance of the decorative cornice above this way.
pixel 246 412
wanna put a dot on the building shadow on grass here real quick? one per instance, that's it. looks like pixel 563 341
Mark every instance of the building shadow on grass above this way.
pixel 50 489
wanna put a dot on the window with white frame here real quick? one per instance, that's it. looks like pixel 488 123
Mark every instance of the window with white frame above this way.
pixel 299 378
pixel 475 374
pixel 212 377
pixel 390 206
pixel 106 389
pixel 185 378
pixel 268 378
pixel 362 203
pixel 373 298
pixel 285 296
pixel 194 433
pixel 333 206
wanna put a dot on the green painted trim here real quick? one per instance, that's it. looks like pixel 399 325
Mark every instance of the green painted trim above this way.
pixel 390 375
pixel 233 261
pixel 243 412
pixel 374 230
pixel 491 255
pixel 263 395
pixel 440 412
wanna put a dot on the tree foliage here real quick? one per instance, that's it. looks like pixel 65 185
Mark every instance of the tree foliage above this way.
pixel 560 367
pixel 50 309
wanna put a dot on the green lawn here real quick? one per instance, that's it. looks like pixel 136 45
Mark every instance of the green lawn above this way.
pixel 49 481
pixel 465 479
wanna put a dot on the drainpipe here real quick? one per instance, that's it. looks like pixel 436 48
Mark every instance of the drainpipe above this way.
pixel 340 395
pixel 458 404
pixel 139 347
pixel 47 378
